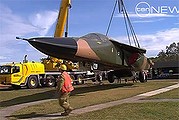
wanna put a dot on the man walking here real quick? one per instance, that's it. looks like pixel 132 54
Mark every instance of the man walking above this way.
pixel 64 87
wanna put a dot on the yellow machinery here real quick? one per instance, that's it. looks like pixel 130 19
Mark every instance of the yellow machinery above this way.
pixel 62 18
pixel 21 74
pixel 51 63
pixel 33 74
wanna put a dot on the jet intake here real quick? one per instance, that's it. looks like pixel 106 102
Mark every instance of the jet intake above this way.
pixel 139 62
pixel 133 58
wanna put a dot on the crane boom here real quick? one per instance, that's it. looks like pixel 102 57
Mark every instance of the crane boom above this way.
pixel 62 18
pixel 52 62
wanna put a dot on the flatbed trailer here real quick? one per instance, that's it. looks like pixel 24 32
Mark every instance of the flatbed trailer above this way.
pixel 78 77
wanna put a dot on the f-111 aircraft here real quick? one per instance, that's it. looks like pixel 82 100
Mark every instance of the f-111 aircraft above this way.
pixel 117 58
pixel 120 58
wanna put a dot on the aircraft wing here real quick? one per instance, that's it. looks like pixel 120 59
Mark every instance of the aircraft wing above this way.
pixel 129 48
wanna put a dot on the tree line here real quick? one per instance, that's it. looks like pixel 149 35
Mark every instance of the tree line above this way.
pixel 171 53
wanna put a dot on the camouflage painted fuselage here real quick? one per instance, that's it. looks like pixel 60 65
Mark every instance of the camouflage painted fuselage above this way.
pixel 94 47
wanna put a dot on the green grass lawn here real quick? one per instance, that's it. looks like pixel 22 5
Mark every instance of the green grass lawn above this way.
pixel 138 111
pixel 92 94
pixel 173 94
pixel 14 97
pixel 134 111
pixel 9 94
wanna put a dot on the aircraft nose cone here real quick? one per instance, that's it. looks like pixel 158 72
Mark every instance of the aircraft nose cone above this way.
pixel 63 48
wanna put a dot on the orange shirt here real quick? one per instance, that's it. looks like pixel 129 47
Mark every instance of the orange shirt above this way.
pixel 67 86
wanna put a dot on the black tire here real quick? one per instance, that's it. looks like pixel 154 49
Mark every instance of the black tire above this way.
pixel 98 77
pixel 50 81
pixel 111 77
pixel 103 76
pixel 43 82
pixel 79 77
pixel 142 77
pixel 73 78
pixel 32 82
pixel 93 80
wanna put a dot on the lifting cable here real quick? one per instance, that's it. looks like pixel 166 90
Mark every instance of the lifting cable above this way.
pixel 127 22
pixel 112 15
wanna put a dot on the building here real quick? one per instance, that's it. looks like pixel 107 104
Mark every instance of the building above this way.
pixel 166 69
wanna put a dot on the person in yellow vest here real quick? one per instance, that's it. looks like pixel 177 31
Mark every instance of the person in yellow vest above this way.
pixel 64 87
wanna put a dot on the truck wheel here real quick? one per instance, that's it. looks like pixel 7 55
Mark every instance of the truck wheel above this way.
pixel 32 82
pixel 50 81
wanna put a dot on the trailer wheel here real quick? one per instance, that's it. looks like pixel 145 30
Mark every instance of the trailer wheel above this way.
pixel 32 82
pixel 73 78
pixel 50 81
pixel 111 77
pixel 93 80
pixel 98 77
pixel 79 81
pixel 103 76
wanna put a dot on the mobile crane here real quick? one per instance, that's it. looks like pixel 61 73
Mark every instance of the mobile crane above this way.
pixel 51 63
pixel 34 74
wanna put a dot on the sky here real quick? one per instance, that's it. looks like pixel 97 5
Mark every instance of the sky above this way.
pixel 156 23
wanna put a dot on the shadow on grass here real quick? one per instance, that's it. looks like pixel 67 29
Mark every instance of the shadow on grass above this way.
pixel 28 98
pixel 94 88
pixel 32 115
pixel 51 94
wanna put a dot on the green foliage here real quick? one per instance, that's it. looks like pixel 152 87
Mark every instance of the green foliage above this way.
pixel 171 53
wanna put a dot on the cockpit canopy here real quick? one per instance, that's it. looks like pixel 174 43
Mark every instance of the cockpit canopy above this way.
pixel 96 37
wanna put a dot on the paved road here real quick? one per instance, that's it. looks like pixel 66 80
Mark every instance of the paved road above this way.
pixel 138 98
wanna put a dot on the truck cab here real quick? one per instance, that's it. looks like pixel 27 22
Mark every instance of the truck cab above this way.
pixel 21 74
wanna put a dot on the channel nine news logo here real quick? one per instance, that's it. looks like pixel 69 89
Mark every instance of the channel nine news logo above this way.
pixel 144 9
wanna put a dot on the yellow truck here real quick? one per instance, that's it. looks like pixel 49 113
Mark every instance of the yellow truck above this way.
pixel 21 74
pixel 33 74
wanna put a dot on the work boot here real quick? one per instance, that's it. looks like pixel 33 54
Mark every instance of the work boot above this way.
pixel 67 112
pixel 64 114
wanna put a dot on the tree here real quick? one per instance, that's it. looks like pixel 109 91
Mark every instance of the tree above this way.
pixel 172 53
pixel 173 49
pixel 161 54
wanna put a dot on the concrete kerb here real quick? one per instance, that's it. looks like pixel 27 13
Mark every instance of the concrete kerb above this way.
pixel 136 99
pixel 155 92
